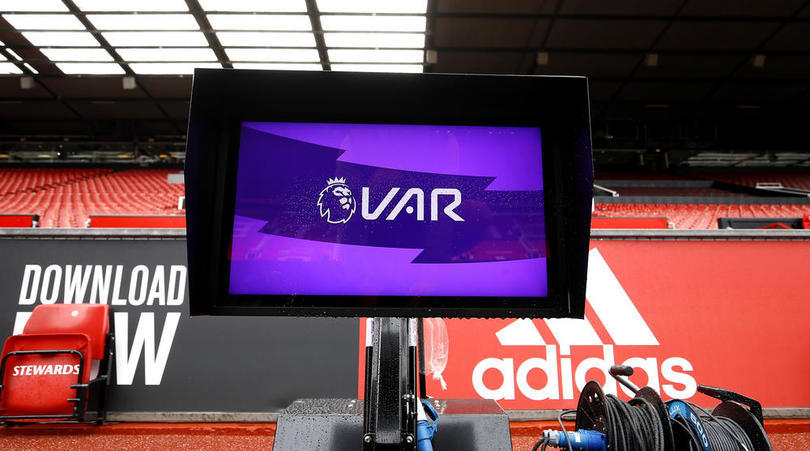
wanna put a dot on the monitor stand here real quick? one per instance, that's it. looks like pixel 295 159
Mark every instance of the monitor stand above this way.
pixel 387 421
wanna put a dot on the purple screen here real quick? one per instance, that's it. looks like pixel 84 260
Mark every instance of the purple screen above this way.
pixel 388 210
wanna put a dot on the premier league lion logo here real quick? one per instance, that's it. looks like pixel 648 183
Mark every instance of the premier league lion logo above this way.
pixel 336 202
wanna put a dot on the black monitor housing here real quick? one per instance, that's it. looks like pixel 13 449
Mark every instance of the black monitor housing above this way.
pixel 224 99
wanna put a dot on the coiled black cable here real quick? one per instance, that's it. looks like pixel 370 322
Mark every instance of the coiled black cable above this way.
pixel 724 433
pixel 634 426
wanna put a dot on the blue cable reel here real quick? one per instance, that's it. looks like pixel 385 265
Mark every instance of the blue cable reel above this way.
pixel 606 423
pixel 682 414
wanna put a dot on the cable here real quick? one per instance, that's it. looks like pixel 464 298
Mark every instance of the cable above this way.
pixel 633 426
pixel 638 425
pixel 724 433
pixel 694 440
pixel 562 426
pixel 543 441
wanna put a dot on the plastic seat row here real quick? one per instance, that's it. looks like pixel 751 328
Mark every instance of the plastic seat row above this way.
pixel 80 194
pixel 701 216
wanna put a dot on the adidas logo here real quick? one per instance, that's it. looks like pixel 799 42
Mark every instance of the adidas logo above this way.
pixel 608 300
pixel 565 368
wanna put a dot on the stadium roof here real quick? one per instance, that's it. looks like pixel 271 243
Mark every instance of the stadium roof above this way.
pixel 683 70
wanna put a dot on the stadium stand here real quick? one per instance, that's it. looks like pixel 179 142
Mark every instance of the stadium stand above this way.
pixel 637 175
pixel 18 220
pixel 674 191
pixel 700 216
pixel 598 222
pixel 67 197
pixel 137 221
pixel 799 180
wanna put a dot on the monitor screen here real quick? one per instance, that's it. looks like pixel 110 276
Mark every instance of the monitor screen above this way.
pixel 388 210
pixel 375 194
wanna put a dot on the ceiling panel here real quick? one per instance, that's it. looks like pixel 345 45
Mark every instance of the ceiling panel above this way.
pixel 741 93
pixel 479 62
pixel 496 7
pixel 10 88
pixel 604 34
pixel 178 110
pixel 690 66
pixel 34 110
pixel 629 7
pixel 777 66
pixel 64 126
pixel 589 64
pixel 117 110
pixel 794 36
pixel 90 87
pixel 166 87
pixel 602 91
pixel 663 92
pixel 716 35
pixel 489 32
pixel 754 8
pixel 620 111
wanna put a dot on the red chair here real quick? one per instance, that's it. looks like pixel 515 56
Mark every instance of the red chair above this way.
pixel 62 358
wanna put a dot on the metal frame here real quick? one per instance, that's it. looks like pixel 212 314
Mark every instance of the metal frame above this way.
pixel 389 421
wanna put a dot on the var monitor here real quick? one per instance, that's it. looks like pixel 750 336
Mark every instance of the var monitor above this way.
pixel 346 194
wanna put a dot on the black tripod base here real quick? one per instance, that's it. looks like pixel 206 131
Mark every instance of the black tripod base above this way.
pixel 337 424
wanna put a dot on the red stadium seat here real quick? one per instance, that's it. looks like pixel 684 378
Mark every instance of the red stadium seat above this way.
pixel 18 220
pixel 49 371
pixel 629 223
pixel 137 221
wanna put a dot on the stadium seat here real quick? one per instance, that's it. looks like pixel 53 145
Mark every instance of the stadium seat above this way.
pixel 137 221
pixel 18 220
pixel 49 371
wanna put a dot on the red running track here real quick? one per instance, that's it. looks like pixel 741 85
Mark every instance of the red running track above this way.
pixel 784 434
